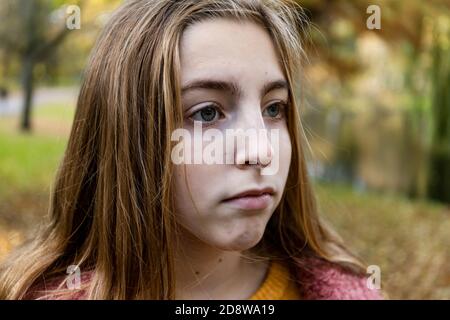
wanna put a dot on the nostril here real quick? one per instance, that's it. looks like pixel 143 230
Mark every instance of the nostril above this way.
pixel 258 164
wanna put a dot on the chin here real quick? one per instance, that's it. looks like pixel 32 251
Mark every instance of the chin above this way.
pixel 243 241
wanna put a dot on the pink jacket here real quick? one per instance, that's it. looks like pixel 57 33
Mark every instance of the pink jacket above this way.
pixel 323 280
pixel 318 280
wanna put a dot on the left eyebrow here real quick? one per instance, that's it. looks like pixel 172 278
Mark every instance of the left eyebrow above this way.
pixel 231 87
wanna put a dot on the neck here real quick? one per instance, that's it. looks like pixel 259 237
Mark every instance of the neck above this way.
pixel 205 272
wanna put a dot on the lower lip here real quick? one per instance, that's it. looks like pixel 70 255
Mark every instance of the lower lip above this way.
pixel 251 202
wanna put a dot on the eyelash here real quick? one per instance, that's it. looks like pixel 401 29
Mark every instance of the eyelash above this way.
pixel 213 105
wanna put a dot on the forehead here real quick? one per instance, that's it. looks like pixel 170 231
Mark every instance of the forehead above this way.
pixel 225 48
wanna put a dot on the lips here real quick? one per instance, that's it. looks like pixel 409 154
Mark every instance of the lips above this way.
pixel 253 193
pixel 254 199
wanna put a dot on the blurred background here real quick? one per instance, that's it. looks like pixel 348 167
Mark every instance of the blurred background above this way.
pixel 376 113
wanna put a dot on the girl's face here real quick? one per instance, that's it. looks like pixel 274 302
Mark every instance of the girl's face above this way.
pixel 227 74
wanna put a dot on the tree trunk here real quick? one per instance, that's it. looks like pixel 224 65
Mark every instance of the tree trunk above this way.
pixel 439 184
pixel 27 85
pixel 28 8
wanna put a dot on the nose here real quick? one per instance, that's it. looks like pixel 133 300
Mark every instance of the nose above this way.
pixel 253 147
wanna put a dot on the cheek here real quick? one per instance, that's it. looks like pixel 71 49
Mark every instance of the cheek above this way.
pixel 195 201
pixel 195 188
pixel 285 153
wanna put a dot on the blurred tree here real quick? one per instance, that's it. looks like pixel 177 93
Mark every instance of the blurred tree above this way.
pixel 439 182
pixel 27 31
pixel 337 25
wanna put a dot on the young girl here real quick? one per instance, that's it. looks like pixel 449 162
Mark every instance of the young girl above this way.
pixel 127 222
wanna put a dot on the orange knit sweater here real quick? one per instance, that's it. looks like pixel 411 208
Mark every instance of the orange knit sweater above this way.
pixel 278 285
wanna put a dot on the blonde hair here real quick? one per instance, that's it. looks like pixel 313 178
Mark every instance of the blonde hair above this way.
pixel 111 206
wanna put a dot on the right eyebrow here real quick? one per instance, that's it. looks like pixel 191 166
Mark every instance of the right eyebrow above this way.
pixel 230 87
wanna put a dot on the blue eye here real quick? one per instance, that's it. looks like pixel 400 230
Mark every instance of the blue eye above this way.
pixel 206 114
pixel 274 110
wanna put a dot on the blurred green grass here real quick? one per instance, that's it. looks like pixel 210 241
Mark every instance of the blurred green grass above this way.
pixel 27 162
pixel 55 111
pixel 408 240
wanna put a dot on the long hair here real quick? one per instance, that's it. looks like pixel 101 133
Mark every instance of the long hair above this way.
pixel 111 206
